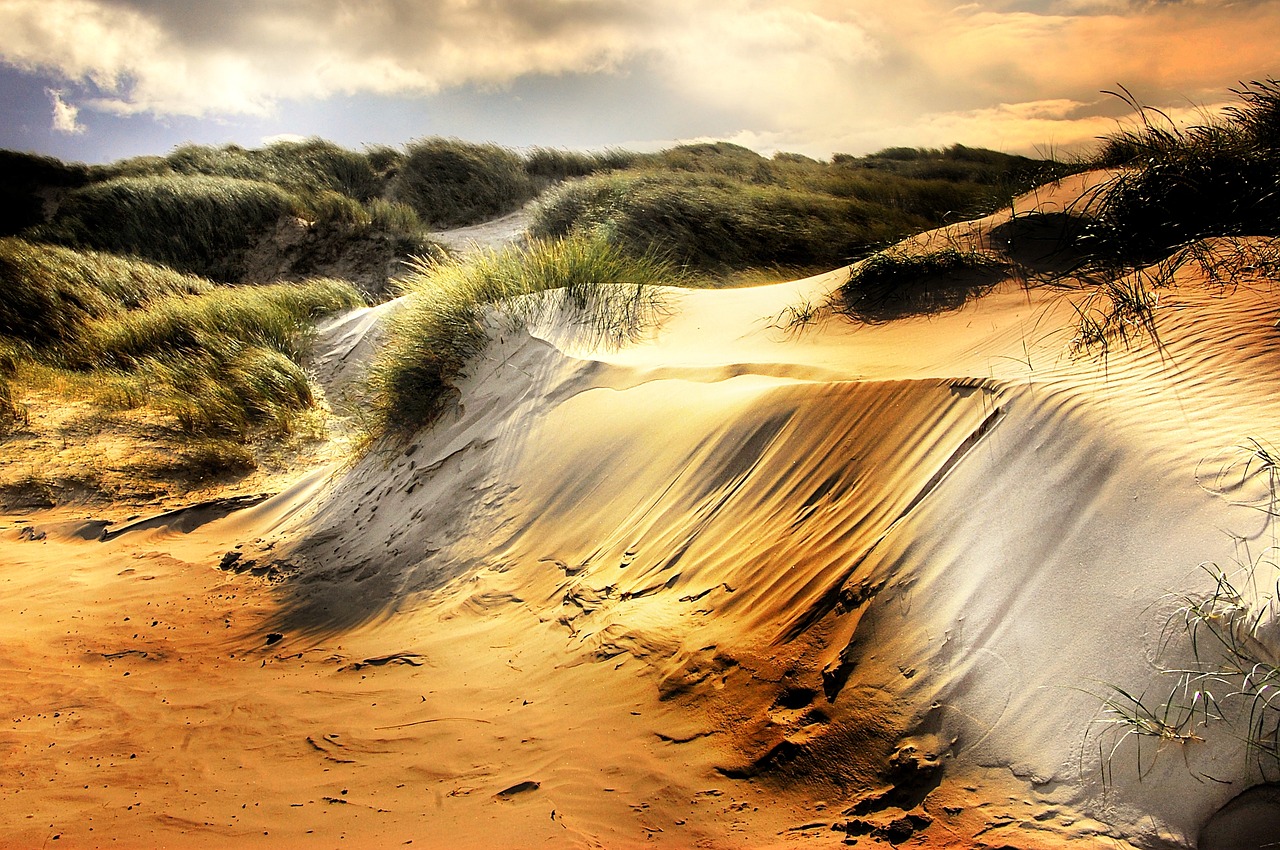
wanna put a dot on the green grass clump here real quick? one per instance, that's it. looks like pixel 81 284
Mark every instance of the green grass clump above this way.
pixel 722 208
pixel 276 316
pixel 443 327
pixel 716 223
pixel 894 284
pixel 221 360
pixel 551 165
pixel 228 389
pixel 197 224
pixel 450 183
pixel 311 165
pixel 1218 178
pixel 48 293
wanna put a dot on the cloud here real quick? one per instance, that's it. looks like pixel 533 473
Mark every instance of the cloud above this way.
pixel 65 116
pixel 279 138
pixel 1017 78
pixel 191 57
pixel 825 74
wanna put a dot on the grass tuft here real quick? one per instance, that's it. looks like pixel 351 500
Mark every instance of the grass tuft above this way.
pixel 51 293
pixel 450 183
pixel 1217 178
pixel 131 334
pixel 197 224
pixel 443 327
pixel 894 284
pixel 1232 631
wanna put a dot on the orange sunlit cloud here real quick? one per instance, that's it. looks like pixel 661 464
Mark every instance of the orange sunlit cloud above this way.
pixel 815 76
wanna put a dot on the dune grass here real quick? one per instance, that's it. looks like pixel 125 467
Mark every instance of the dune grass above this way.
pixel 275 316
pixel 1231 633
pixel 443 327
pixel 223 362
pixel 717 207
pixel 1180 195
pixel 197 224
pixel 1217 178
pixel 308 166
pixel 721 208
pixel 897 283
pixel 125 333
pixel 215 226
pixel 450 183
pixel 51 292
pixel 715 223
pixel 550 165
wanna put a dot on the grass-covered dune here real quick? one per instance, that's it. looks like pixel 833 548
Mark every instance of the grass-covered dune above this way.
pixel 444 325
pixel 234 214
pixel 111 280
pixel 198 224
pixel 221 360
pixel 1173 190
pixel 1217 178
pixel 720 207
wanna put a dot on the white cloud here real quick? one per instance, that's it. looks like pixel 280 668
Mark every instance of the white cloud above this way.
pixel 65 116
pixel 190 57
pixel 278 138
pixel 816 75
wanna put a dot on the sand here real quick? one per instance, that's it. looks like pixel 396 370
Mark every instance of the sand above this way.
pixel 736 585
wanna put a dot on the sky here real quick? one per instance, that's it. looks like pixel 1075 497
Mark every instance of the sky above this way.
pixel 99 80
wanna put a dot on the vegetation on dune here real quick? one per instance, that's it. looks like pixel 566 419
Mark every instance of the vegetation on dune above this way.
pixel 548 165
pixel 308 166
pixel 207 213
pixel 714 223
pixel 895 283
pixel 197 224
pixel 1218 178
pixel 450 183
pixel 221 360
pixel 720 207
pixel 1234 676
pixel 1179 197
pixel 221 227
pixel 51 293
pixel 276 316
pixel 715 207
pixel 443 327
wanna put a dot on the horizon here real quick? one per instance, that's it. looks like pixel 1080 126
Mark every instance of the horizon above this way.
pixel 97 81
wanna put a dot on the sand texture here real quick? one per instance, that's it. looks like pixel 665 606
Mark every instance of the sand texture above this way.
pixel 736 585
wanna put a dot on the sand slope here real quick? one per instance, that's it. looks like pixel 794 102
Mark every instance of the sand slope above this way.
pixel 732 586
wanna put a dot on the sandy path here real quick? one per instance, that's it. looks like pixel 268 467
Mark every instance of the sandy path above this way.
pixel 505 230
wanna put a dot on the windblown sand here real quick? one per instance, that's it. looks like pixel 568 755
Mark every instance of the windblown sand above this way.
pixel 732 586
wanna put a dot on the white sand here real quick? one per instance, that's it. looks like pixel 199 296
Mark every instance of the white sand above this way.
pixel 732 586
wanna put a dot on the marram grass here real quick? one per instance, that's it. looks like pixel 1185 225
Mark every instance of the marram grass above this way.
pixel 128 334
pixel 443 327
pixel 276 316
pixel 50 292
pixel 193 223
pixel 895 283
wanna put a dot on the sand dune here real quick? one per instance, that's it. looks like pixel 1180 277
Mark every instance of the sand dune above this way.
pixel 735 585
